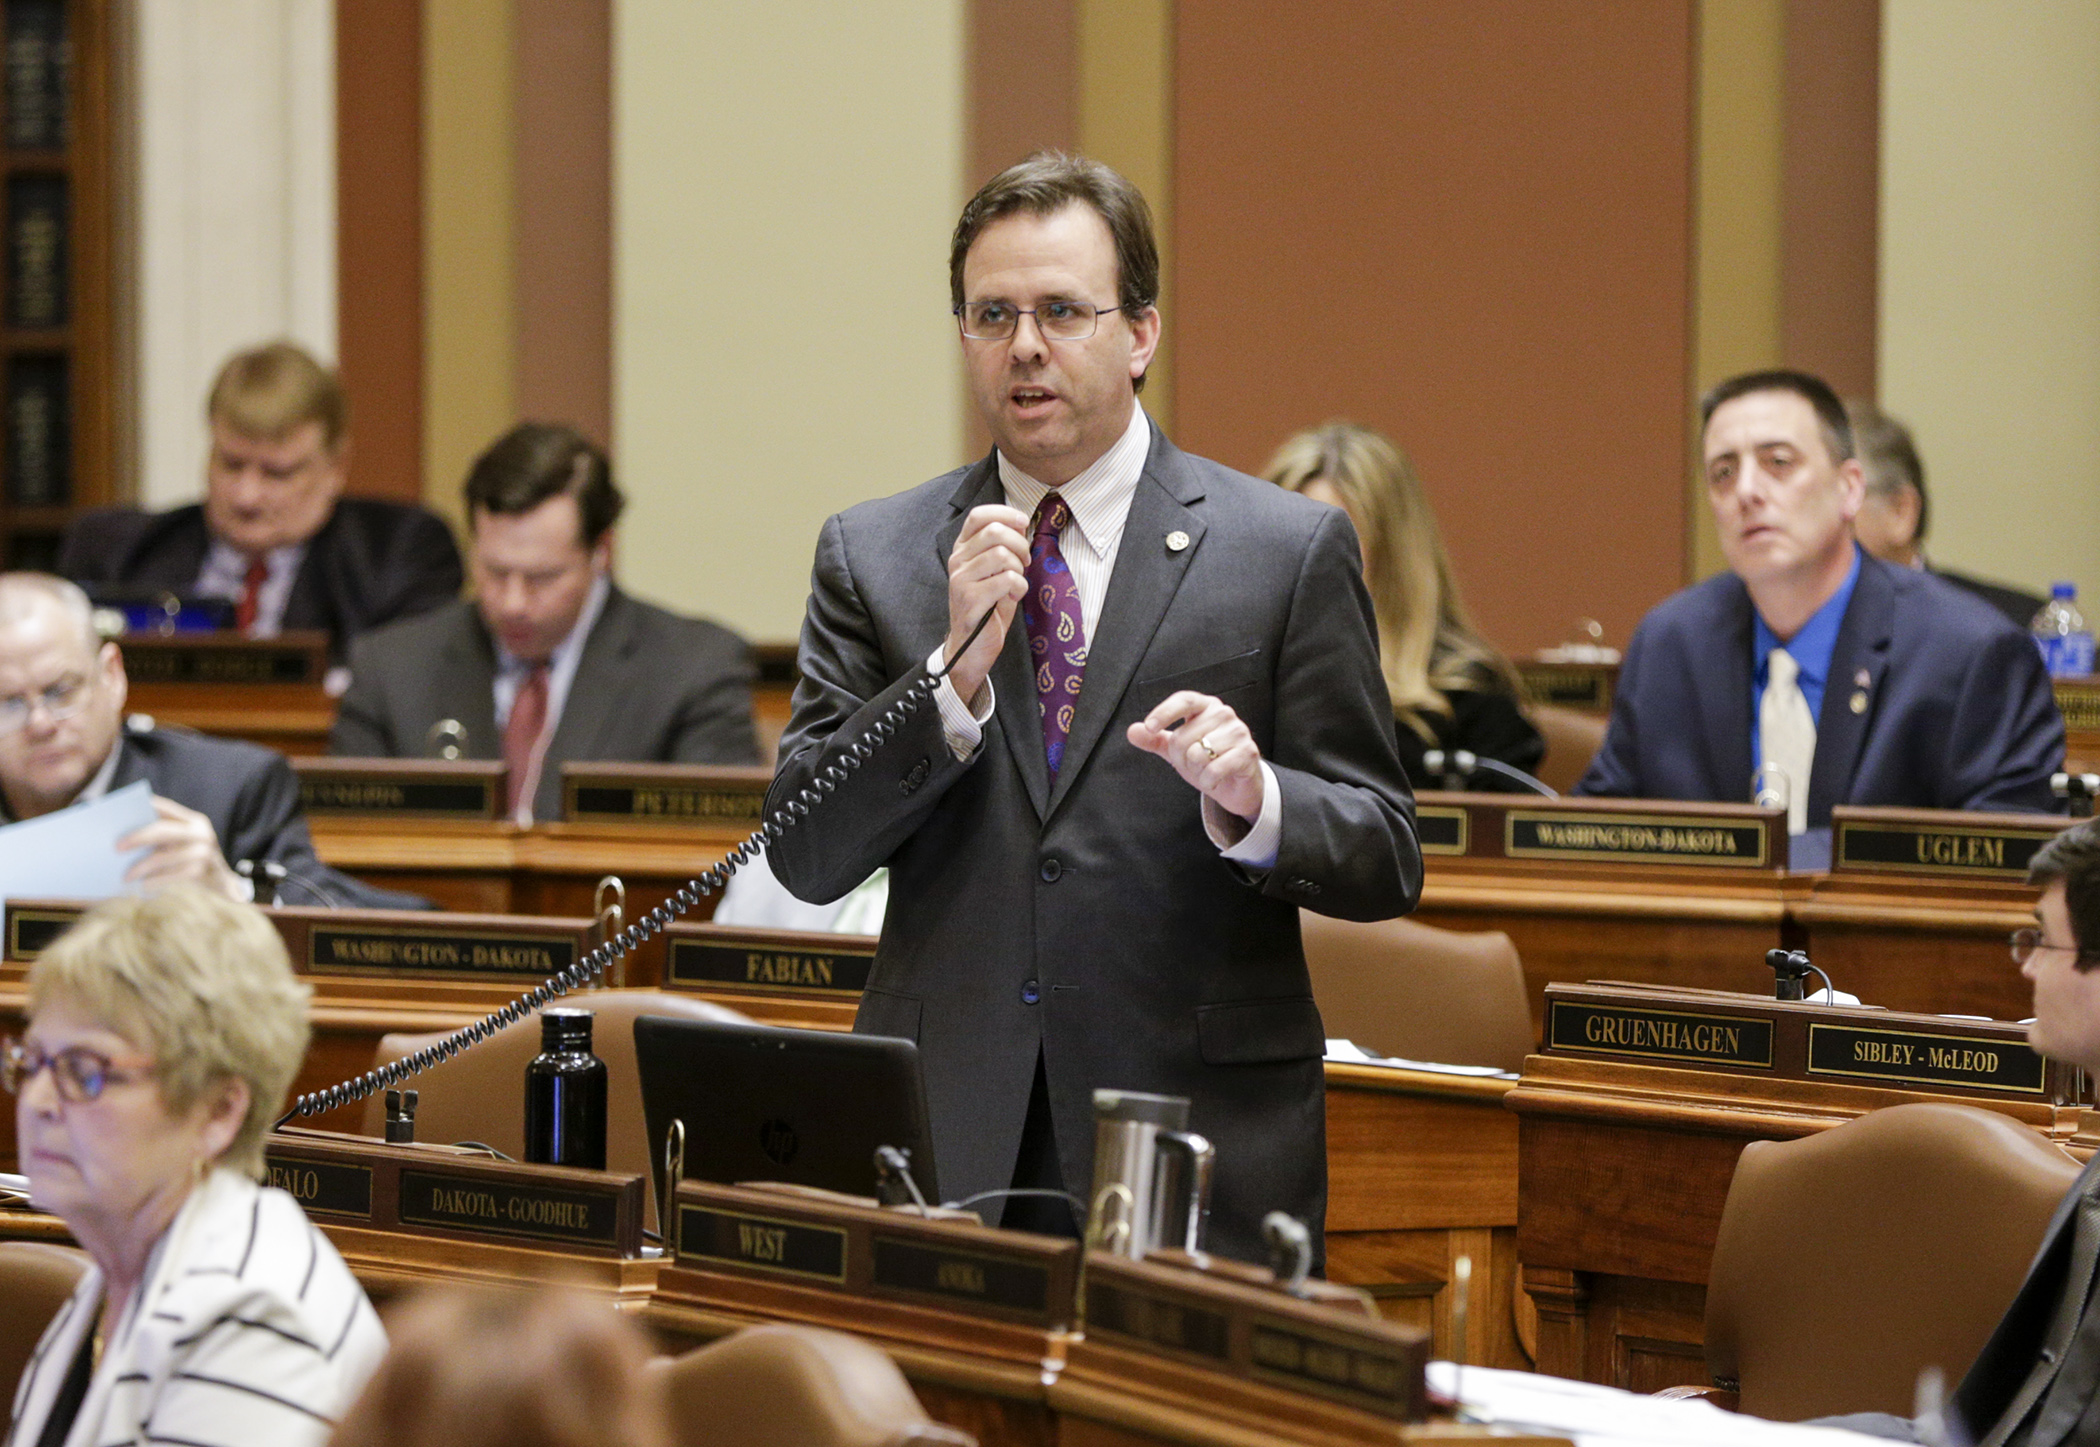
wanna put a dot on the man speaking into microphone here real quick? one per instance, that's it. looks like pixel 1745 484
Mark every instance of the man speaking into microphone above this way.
pixel 1172 735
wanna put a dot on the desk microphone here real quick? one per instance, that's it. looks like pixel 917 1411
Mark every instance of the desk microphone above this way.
pixel 1460 766
pixel 2079 790
pixel 447 739
pixel 1790 968
pixel 1290 1250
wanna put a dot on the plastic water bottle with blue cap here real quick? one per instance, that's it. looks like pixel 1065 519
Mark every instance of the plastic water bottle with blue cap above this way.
pixel 2061 634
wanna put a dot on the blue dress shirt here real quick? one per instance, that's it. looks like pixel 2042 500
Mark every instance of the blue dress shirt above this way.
pixel 1811 649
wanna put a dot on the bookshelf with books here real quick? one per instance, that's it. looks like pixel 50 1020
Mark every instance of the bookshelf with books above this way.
pixel 56 344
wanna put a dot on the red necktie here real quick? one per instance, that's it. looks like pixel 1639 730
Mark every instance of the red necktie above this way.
pixel 521 733
pixel 251 594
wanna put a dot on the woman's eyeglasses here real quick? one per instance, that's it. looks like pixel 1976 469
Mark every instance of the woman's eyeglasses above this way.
pixel 81 1074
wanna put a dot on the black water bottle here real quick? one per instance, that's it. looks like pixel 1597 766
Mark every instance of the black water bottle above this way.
pixel 565 1095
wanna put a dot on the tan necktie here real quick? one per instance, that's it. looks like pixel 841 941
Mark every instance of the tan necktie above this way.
pixel 521 733
pixel 1786 731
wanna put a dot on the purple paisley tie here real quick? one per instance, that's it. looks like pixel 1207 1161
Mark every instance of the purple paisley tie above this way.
pixel 1056 629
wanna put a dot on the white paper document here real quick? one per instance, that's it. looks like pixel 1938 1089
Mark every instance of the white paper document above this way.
pixel 72 854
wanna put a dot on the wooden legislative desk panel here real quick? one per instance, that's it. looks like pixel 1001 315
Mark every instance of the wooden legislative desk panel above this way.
pixel 267 691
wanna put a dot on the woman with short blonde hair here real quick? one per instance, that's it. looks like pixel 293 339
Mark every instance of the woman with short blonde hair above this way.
pixel 163 1035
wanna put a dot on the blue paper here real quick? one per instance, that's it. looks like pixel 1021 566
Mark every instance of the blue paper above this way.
pixel 72 854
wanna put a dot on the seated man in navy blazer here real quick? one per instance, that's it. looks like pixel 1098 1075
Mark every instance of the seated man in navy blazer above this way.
pixel 274 535
pixel 1812 673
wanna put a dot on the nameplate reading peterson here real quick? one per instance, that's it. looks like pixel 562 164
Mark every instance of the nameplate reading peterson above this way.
pixel 708 1237
pixel 665 804
pixel 428 952
pixel 964 1278
pixel 326 1188
pixel 1909 1057
pixel 478 1203
pixel 766 967
pixel 1958 852
pixel 1636 838
pixel 1695 1039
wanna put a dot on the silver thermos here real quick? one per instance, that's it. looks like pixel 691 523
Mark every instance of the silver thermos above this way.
pixel 1151 1175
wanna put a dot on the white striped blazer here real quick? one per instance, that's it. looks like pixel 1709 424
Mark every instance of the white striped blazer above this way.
pixel 247 1329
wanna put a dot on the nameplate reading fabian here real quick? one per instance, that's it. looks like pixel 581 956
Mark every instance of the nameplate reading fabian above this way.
pixel 1357 1373
pixel 499 1208
pixel 1951 850
pixel 434 952
pixel 1441 829
pixel 761 1243
pixel 1910 1057
pixel 732 966
pixel 1695 1039
pixel 1718 842
pixel 964 1278
pixel 1157 1321
pixel 324 1188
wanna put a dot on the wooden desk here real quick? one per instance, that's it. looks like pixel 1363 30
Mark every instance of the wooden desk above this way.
pixel 267 691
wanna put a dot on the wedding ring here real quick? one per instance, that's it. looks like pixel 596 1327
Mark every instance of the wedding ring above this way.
pixel 1204 744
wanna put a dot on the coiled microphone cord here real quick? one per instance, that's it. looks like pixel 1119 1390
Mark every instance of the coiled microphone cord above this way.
pixel 595 963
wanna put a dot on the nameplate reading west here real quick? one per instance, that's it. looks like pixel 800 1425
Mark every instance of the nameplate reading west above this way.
pixel 761 1243
pixel 432 952
pixel 1910 1057
pixel 379 794
pixel 1358 1373
pixel 1648 839
pixel 1157 1321
pixel 479 1203
pixel 1660 1034
pixel 1976 853
pixel 1442 830
pixel 328 1188
pixel 666 803
pixel 966 1278
pixel 768 967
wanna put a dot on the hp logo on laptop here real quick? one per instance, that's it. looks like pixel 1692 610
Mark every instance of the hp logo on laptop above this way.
pixel 779 1142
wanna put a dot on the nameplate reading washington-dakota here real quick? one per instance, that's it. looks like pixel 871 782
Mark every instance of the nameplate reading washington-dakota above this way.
pixel 708 1237
pixel 1959 851
pixel 666 803
pixel 1442 830
pixel 1373 1375
pixel 329 947
pixel 1910 1057
pixel 328 1188
pixel 1157 1321
pixel 1648 839
pixel 473 798
pixel 769 967
pixel 965 1278
pixel 479 1203
pixel 1695 1039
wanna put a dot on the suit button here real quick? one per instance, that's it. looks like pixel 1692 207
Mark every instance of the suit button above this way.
pixel 1052 871
pixel 916 777
pixel 1031 992
pixel 1305 886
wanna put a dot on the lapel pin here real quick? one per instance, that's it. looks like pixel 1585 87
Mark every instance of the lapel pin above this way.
pixel 1859 701
pixel 1177 540
pixel 1863 678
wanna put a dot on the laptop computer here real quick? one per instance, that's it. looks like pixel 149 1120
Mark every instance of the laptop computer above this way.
pixel 767 1103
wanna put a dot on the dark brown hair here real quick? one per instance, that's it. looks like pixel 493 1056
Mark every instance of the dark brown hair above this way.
pixel 2074 857
pixel 1890 457
pixel 1837 431
pixel 536 460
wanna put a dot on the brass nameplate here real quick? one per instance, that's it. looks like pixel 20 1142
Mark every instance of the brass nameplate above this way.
pixel 1638 838
pixel 1660 1034
pixel 328 1188
pixel 966 1278
pixel 1924 849
pixel 480 1203
pixel 1441 829
pixel 1157 1321
pixel 769 967
pixel 217 663
pixel 1568 685
pixel 666 803
pixel 441 952
pixel 400 795
pixel 1367 1374
pixel 2079 704
pixel 1913 1057
pixel 31 931
pixel 761 1243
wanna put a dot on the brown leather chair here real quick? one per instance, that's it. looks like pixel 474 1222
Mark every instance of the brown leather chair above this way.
pixel 1849 1260
pixel 795 1386
pixel 479 1094
pixel 1401 988
pixel 35 1280
pixel 1572 740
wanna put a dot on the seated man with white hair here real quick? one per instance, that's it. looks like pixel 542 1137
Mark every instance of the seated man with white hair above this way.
pixel 64 739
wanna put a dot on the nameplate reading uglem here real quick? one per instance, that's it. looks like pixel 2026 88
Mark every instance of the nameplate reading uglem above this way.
pixel 433 952
pixel 1649 839
pixel 1660 1034
pixel 1960 852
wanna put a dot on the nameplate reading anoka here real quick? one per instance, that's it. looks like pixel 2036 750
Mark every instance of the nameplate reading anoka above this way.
pixel 498 1208
pixel 31 931
pixel 1441 829
pixel 324 1188
pixel 1377 1376
pixel 961 1278
pixel 1157 1321
pixel 1909 1057
pixel 437 952
pixel 708 1237
pixel 637 802
pixel 1711 842
pixel 1958 852
pixel 731 966
pixel 1680 1035
pixel 398 796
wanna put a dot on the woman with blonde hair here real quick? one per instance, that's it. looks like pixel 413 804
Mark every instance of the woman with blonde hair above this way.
pixel 1451 688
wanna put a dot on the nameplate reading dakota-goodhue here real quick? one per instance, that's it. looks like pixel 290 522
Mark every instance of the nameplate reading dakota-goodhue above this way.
pixel 756 967
pixel 1157 1321
pixel 666 804
pixel 432 952
pixel 761 1243
pixel 327 1188
pixel 429 798
pixel 1647 839
pixel 966 1277
pixel 1441 829
pixel 1921 849
pixel 1697 1039
pixel 1910 1057
pixel 478 1203
pixel 1382 1382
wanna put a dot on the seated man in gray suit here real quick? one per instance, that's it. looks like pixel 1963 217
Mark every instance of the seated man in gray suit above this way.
pixel 550 661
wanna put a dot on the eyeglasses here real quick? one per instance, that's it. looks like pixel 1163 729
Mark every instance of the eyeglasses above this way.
pixel 79 1073
pixel 2025 942
pixel 1060 321
pixel 62 699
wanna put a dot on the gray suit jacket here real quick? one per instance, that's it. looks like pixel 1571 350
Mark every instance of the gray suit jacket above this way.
pixel 1093 919
pixel 652 687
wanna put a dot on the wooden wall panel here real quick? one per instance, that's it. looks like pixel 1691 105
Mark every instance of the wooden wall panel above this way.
pixel 1829 284
pixel 1469 226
